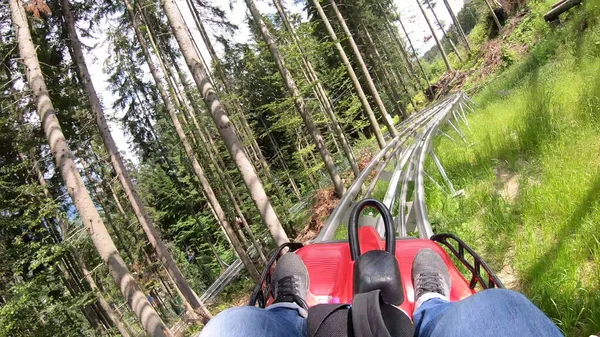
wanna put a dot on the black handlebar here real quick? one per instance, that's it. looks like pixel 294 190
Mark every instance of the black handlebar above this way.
pixel 388 221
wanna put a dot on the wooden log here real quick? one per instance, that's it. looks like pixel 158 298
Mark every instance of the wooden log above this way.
pixel 561 8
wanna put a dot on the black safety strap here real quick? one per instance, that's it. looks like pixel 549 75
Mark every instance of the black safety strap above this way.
pixel 328 320
pixel 371 317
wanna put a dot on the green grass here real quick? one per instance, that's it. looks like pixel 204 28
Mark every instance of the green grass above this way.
pixel 540 122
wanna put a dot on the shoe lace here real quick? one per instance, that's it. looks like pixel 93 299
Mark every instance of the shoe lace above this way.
pixel 430 282
pixel 287 286
pixel 287 291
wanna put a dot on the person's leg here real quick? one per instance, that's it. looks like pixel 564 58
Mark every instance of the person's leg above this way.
pixel 278 320
pixel 493 312
pixel 429 312
pixel 285 318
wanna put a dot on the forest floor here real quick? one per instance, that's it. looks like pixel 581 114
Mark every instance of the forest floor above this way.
pixel 531 170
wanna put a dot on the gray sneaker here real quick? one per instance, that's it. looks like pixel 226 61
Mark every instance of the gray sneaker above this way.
pixel 291 280
pixel 430 277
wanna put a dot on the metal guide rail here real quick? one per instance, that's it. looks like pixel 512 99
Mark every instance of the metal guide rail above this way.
pixel 406 153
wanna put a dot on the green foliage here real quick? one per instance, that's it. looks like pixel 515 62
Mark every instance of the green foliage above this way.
pixel 469 15
pixel 232 295
pixel 41 307
pixel 509 56
pixel 478 35
pixel 33 298
pixel 531 175
pixel 553 221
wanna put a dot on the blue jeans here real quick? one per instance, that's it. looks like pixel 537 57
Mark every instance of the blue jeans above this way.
pixel 278 320
pixel 494 312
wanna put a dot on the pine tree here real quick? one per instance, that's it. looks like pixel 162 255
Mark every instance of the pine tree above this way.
pixel 437 41
pixel 208 191
pixel 319 90
pixel 416 56
pixel 80 196
pixel 387 120
pixel 458 26
pixel 444 34
pixel 357 86
pixel 130 191
pixel 299 104
pixel 221 120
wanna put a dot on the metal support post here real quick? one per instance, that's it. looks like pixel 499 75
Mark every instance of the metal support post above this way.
pixel 464 116
pixel 437 162
pixel 458 131
pixel 434 181
pixel 447 135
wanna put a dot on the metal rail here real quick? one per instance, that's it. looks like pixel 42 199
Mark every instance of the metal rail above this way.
pixel 227 276
pixel 220 283
pixel 408 152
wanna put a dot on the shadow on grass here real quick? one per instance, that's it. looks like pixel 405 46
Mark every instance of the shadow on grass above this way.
pixel 587 205
pixel 539 56
pixel 581 318
pixel 590 104
pixel 537 127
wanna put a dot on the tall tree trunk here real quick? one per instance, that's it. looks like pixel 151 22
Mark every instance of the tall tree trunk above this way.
pixel 230 187
pixel 122 173
pixel 89 314
pixel 307 172
pixel 359 90
pixel 415 55
pixel 458 26
pixel 170 168
pixel 245 127
pixel 444 34
pixel 126 222
pixel 400 46
pixel 239 112
pixel 209 148
pixel 107 311
pixel 91 219
pixel 290 84
pixel 232 141
pixel 237 107
pixel 397 75
pixel 387 76
pixel 398 79
pixel 278 152
pixel 197 169
pixel 387 120
pixel 437 41
pixel 494 16
pixel 115 320
pixel 407 64
pixel 97 197
pixel 222 263
pixel 320 91
pixel 216 62
pixel 81 287
pixel 219 166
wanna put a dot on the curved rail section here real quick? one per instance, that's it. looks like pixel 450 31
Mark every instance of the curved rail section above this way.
pixel 401 166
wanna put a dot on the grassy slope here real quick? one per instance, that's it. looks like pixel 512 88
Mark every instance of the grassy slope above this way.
pixel 538 123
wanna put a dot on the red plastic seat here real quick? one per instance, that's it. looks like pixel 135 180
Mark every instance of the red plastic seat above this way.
pixel 330 268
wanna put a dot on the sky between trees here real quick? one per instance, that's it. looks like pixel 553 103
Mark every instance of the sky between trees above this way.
pixel 416 26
